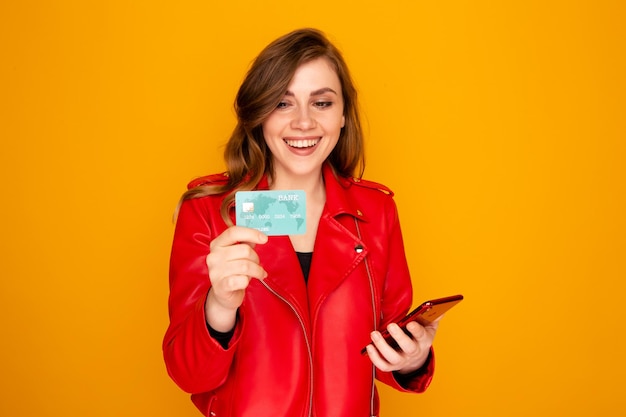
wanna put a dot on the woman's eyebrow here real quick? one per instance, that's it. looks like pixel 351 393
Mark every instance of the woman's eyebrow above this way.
pixel 323 91
pixel 315 93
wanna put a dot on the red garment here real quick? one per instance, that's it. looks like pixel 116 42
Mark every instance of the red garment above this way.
pixel 296 347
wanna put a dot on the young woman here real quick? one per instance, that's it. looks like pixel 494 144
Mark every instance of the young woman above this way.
pixel 274 326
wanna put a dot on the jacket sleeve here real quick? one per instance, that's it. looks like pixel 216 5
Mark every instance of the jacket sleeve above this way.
pixel 396 301
pixel 194 360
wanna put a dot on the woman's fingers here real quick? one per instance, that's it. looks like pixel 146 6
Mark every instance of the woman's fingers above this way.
pixel 232 262
pixel 238 234
pixel 411 351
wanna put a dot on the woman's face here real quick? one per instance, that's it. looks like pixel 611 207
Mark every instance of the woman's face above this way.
pixel 305 127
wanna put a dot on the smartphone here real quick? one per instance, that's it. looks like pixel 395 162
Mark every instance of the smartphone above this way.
pixel 426 313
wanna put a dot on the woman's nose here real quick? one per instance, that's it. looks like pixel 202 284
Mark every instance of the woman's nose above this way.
pixel 303 119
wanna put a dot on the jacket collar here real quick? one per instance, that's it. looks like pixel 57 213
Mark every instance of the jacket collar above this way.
pixel 338 199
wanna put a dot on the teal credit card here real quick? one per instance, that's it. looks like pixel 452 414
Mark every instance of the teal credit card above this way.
pixel 273 212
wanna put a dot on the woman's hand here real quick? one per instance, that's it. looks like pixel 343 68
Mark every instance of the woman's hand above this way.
pixel 232 262
pixel 412 352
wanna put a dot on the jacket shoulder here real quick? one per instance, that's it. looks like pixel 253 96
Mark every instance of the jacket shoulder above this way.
pixel 208 180
pixel 360 182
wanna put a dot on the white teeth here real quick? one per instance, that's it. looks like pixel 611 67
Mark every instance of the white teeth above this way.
pixel 302 143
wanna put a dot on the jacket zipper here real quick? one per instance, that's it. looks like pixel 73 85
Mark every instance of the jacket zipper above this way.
pixel 308 345
pixel 371 282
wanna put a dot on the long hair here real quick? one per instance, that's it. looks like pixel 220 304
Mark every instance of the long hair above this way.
pixel 246 155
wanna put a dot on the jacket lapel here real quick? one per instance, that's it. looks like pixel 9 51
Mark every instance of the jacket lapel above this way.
pixel 338 249
pixel 337 253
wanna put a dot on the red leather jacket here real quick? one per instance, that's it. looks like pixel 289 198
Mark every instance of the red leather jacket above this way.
pixel 296 347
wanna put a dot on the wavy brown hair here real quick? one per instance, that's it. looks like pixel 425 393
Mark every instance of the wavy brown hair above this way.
pixel 246 155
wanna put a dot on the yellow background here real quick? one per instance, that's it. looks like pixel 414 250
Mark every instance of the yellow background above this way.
pixel 499 124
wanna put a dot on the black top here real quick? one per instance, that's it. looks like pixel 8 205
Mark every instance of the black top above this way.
pixel 305 263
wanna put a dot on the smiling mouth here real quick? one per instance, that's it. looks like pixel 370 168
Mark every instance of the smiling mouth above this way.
pixel 301 143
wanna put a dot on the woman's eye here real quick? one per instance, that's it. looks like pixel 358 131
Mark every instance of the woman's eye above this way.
pixel 323 104
pixel 282 105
